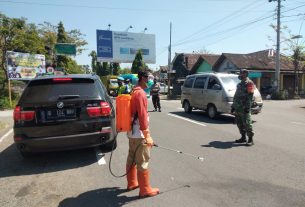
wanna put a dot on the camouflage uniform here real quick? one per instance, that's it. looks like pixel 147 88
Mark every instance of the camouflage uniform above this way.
pixel 242 107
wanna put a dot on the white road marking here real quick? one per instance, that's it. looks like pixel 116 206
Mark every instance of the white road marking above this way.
pixel 298 123
pixel 186 119
pixel 4 136
pixel 100 157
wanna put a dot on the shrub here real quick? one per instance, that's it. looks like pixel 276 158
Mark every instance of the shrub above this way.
pixel 282 95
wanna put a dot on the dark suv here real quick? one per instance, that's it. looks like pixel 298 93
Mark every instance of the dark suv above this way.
pixel 64 112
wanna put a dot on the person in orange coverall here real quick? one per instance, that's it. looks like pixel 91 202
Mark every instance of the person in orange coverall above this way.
pixel 140 141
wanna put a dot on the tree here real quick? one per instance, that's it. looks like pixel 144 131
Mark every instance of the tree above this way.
pixel 96 66
pixel 104 68
pixel 64 61
pixel 294 49
pixel 138 64
pixel 125 71
pixel 93 61
pixel 296 52
pixel 114 68
pixel 16 35
pixel 50 36
pixel 203 51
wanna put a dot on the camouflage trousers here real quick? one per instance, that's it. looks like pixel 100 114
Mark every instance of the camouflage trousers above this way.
pixel 244 124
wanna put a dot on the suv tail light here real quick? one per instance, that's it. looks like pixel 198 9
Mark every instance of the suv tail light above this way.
pixel 23 115
pixel 103 110
pixel 61 80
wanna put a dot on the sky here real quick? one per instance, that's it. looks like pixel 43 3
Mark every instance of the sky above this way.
pixel 213 26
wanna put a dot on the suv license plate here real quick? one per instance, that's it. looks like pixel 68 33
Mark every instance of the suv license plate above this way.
pixel 56 114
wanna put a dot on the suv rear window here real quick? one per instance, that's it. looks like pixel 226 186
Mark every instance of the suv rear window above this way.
pixel 48 90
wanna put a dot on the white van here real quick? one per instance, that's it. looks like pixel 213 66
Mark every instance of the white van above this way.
pixel 213 92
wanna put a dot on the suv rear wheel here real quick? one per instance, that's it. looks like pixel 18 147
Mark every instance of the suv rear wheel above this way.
pixel 187 107
pixel 212 112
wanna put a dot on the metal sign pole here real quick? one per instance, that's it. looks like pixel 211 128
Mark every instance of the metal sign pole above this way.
pixel 9 92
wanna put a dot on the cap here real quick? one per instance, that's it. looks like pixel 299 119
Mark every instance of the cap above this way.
pixel 244 71
pixel 121 78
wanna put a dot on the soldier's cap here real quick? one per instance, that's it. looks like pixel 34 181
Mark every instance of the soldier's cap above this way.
pixel 244 71
pixel 143 74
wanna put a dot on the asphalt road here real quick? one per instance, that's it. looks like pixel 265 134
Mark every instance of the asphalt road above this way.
pixel 270 173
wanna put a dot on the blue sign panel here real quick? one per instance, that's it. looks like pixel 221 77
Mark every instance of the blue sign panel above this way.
pixel 255 75
pixel 104 44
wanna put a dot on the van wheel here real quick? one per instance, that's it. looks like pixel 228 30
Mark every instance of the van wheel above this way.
pixel 212 112
pixel 187 107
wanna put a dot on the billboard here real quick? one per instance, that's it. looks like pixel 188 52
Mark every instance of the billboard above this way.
pixel 24 66
pixel 122 47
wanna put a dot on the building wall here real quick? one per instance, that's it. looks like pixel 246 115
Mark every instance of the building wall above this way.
pixel 204 67
pixel 226 66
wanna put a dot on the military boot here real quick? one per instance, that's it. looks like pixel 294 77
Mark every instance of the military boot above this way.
pixel 250 141
pixel 242 139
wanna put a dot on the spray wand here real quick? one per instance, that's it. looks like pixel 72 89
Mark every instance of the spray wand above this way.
pixel 178 151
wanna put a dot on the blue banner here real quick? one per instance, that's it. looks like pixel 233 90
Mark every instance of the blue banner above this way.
pixel 104 44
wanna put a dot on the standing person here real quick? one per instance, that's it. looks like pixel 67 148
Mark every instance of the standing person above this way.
pixel 242 102
pixel 128 86
pixel 155 93
pixel 122 88
pixel 140 141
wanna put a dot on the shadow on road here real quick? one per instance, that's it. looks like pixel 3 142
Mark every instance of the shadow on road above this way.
pixel 223 145
pixel 13 164
pixel 101 197
pixel 201 116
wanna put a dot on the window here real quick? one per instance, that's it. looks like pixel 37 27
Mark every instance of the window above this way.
pixel 189 82
pixel 200 82
pixel 213 84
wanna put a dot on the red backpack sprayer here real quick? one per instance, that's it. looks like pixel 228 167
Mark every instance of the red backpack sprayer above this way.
pixel 123 124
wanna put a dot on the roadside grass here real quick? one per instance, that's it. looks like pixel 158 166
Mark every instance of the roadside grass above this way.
pixel 3 125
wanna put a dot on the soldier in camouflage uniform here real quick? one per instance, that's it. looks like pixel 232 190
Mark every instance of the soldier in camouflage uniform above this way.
pixel 242 107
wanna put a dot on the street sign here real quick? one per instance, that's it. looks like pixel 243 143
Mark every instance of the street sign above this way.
pixel 65 49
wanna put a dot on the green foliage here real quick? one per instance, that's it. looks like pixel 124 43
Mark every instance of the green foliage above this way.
pixel 101 69
pixel 125 71
pixel 94 62
pixel 71 67
pixel 138 64
pixel 4 99
pixel 19 36
pixel 61 33
pixel 114 68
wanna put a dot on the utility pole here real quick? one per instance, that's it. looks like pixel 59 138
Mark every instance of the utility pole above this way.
pixel 278 55
pixel 169 62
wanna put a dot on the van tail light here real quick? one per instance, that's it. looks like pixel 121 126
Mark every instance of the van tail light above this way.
pixel 103 110
pixel 23 115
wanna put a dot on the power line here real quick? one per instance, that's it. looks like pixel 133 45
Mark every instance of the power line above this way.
pixel 97 7
pixel 218 22
pixel 237 27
